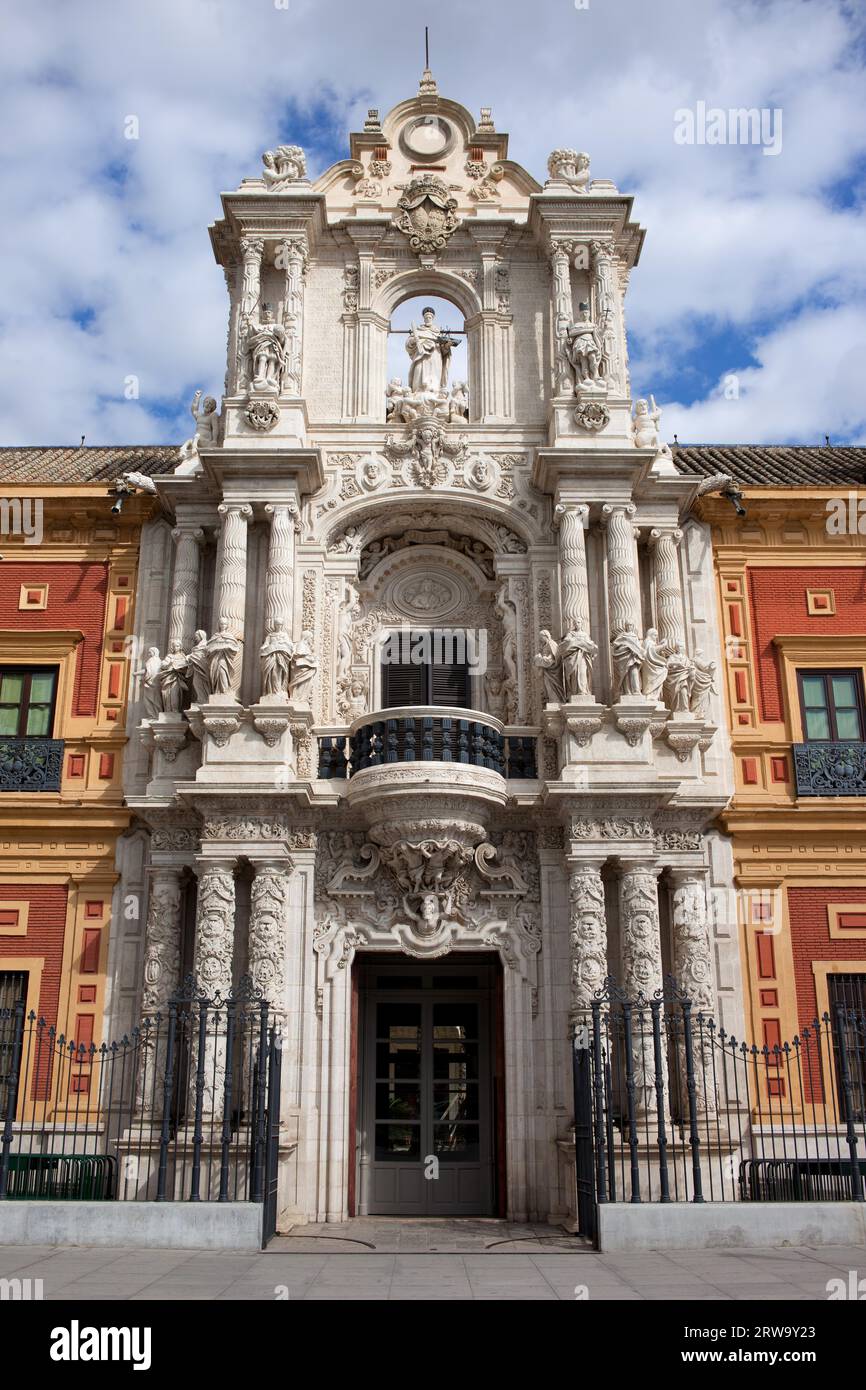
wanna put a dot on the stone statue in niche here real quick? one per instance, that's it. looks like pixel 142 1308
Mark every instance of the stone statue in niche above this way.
pixel 654 667
pixel 584 348
pixel 172 678
pixel 347 615
pixel 429 348
pixel 206 433
pixel 702 685
pixel 506 612
pixel 199 671
pixel 627 654
pixel 266 350
pixel 224 658
pixel 150 691
pixel 304 667
pixel 276 660
pixel 285 165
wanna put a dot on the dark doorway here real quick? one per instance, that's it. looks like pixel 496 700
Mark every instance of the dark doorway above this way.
pixel 427 1095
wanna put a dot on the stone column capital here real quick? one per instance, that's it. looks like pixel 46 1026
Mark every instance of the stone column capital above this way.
pixel 571 509
pixel 215 863
pixel 275 511
pixel 632 864
pixel 661 533
pixel 242 510
pixel 282 866
pixel 612 509
pixel 684 873
pixel 187 530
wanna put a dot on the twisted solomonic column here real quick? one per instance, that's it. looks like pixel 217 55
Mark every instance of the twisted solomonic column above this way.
pixel 572 567
pixel 184 588
pixel 623 589
pixel 279 583
pixel 668 587
pixel 587 935
pixel 233 569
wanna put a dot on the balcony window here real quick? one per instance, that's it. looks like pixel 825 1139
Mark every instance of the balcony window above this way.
pixel 434 679
pixel 31 759
pixel 27 701
pixel 832 706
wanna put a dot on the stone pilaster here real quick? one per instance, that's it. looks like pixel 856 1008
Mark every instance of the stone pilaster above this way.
pixel 184 589
pixel 279 583
pixel 291 256
pixel 269 928
pixel 162 940
pixel 563 313
pixel 588 935
pixel 607 311
pixel 215 925
pixel 162 965
pixel 693 971
pixel 622 580
pixel 668 587
pixel 572 567
pixel 252 250
pixel 693 957
pixel 642 975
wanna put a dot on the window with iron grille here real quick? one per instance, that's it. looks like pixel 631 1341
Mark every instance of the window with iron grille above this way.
pixel 848 1013
pixel 27 696
pixel 832 706
pixel 13 991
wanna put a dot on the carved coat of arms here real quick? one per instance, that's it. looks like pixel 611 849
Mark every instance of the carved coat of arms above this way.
pixel 427 214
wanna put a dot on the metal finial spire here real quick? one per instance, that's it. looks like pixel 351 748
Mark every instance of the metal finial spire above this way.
pixel 427 86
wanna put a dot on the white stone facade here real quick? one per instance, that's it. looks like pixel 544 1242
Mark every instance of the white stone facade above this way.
pixel 567 832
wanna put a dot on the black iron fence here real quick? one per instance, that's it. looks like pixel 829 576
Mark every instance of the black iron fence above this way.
pixel 183 1108
pixel 671 1108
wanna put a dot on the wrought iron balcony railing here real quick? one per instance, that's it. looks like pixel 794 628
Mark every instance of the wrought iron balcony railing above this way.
pixel 427 735
pixel 31 764
pixel 830 769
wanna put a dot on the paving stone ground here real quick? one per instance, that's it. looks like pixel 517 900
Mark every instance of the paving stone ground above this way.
pixel 406 1261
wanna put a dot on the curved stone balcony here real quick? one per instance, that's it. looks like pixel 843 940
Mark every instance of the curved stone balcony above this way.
pixel 428 734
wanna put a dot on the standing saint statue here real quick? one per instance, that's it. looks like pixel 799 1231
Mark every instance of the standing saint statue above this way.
pixel 627 654
pixel 266 346
pixel 172 678
pixel 429 348
pixel 199 672
pixel 224 660
pixel 276 659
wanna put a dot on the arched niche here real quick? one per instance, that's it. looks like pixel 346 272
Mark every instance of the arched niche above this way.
pixel 366 337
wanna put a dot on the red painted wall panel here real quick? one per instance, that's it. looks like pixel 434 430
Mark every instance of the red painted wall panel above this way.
pixel 778 605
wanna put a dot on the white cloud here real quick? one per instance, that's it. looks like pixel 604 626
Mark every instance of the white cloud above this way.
pixel 747 243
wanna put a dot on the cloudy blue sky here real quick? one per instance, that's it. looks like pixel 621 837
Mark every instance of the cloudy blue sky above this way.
pixel 754 265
